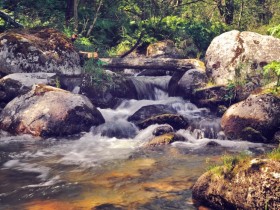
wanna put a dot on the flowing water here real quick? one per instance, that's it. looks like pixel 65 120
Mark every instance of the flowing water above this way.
pixel 109 167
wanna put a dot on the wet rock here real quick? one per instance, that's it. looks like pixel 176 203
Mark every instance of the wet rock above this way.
pixel 17 84
pixel 245 185
pixel 106 92
pixel 164 139
pixel 190 81
pixel 235 54
pixel 212 144
pixel 214 96
pixel 146 112
pixel 277 137
pixel 156 72
pixel 118 129
pixel 163 129
pixel 48 111
pixel 255 119
pixel 40 50
pixel 175 120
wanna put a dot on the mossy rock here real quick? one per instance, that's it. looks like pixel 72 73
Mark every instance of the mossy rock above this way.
pixel 165 139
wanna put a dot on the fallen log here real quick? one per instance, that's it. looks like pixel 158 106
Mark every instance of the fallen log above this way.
pixel 169 64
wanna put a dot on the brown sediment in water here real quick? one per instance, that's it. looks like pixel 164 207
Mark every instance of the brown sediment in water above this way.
pixel 131 184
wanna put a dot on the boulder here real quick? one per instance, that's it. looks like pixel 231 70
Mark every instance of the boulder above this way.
pixel 162 49
pixel 255 119
pixel 164 139
pixel 188 83
pixel 40 50
pixel 105 92
pixel 175 120
pixel 238 55
pixel 162 129
pixel 214 96
pixel 252 184
pixel 146 112
pixel 48 111
pixel 17 84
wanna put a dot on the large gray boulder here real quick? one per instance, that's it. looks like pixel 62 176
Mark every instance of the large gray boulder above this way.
pixel 240 55
pixel 43 50
pixel 47 111
pixel 255 119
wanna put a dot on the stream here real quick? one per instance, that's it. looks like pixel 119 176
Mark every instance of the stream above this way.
pixel 109 167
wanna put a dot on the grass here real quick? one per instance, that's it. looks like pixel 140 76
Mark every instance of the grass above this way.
pixel 274 154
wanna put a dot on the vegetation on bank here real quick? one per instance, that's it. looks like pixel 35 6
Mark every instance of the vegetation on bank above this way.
pixel 230 164
pixel 112 27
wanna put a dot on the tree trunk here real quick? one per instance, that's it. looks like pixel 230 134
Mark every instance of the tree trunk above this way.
pixel 76 18
pixel 69 12
pixel 95 18
pixel 168 64
pixel 226 9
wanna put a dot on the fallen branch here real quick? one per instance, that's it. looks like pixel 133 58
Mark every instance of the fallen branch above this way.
pixel 10 20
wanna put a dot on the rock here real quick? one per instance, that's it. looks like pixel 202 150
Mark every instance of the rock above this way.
pixel 163 49
pixel 41 50
pixel 233 55
pixel 184 77
pixel 47 111
pixel 175 120
pixel 190 81
pixel 106 92
pixel 214 96
pixel 118 129
pixel 17 84
pixel 164 139
pixel 255 119
pixel 146 112
pixel 163 129
pixel 246 185
pixel 277 137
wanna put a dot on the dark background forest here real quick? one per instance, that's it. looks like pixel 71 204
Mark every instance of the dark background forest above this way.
pixel 112 27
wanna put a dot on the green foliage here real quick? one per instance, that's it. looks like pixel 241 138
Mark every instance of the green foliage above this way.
pixel 229 162
pixel 274 31
pixel 274 67
pixel 230 92
pixel 96 71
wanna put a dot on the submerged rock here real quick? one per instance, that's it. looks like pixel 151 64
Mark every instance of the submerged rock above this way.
pixel 247 185
pixel 40 50
pixel 240 55
pixel 255 119
pixel 48 111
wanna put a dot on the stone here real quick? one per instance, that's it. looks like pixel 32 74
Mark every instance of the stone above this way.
pixel 255 119
pixel 163 129
pixel 148 111
pixel 175 120
pixel 17 84
pixel 236 55
pixel 163 49
pixel 48 111
pixel 40 50
pixel 165 139
pixel 252 184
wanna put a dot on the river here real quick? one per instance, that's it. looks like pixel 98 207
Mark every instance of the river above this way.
pixel 110 167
